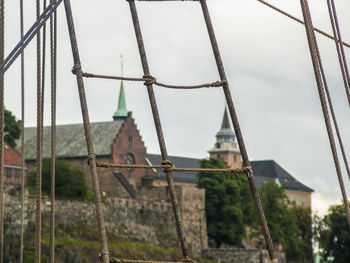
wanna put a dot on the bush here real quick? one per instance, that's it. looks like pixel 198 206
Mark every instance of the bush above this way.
pixel 70 180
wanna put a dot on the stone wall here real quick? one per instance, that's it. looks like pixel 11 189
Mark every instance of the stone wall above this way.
pixel 131 219
pixel 239 255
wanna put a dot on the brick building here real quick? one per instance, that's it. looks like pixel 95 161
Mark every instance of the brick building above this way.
pixel 13 166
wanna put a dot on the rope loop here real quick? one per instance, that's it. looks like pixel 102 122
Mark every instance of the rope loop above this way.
pixel 170 164
pixel 149 80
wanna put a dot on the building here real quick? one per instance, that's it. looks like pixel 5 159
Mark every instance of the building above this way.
pixel 119 141
pixel 13 166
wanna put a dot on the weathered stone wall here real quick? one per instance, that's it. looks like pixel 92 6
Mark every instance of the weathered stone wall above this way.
pixel 137 220
pixel 240 255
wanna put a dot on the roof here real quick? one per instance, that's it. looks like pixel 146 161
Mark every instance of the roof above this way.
pixel 182 162
pixel 263 171
pixel 70 139
pixel 122 111
pixel 11 156
pixel 269 169
pixel 225 127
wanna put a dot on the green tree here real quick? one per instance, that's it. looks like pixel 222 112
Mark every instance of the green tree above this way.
pixel 70 181
pixel 12 129
pixel 334 235
pixel 281 220
pixel 228 204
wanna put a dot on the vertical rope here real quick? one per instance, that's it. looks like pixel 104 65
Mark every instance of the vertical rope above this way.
pixel 22 137
pixel 158 126
pixel 320 85
pixel 87 129
pixel 53 52
pixel 37 241
pixel 238 132
pixel 339 46
pixel 43 67
pixel 2 108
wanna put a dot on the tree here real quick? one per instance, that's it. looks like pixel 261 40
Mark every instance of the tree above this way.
pixel 70 180
pixel 228 203
pixel 281 220
pixel 334 235
pixel 12 129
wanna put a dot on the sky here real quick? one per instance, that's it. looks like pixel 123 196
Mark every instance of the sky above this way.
pixel 267 63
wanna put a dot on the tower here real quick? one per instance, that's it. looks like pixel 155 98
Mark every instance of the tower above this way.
pixel 226 147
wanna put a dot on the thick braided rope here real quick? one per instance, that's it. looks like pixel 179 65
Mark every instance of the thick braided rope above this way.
pixel 339 47
pixel 117 260
pixel 301 22
pixel 314 51
pixel 148 79
pixel 2 108
pixel 168 166
pixel 37 241
pixel 53 53
pixel 22 137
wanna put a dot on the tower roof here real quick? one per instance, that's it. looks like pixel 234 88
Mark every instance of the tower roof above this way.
pixel 225 122
pixel 225 126
pixel 122 111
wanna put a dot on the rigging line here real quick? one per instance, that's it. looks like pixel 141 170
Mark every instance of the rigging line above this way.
pixel 234 118
pixel 340 49
pixel 301 21
pixel 88 136
pixel 159 130
pixel 314 57
pixel 38 195
pixel 2 108
pixel 31 33
pixel 53 52
pixel 22 135
pixel 43 70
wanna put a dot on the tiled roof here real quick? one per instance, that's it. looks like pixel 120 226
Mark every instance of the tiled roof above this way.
pixel 269 169
pixel 11 156
pixel 263 171
pixel 182 162
pixel 70 139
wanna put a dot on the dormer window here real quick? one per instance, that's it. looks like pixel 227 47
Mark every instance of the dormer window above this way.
pixel 218 145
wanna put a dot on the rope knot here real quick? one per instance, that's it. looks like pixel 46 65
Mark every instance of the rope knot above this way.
pixel 149 79
pixel 249 172
pixel 169 164
pixel 75 68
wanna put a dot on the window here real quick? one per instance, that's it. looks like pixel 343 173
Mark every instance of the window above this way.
pixel 235 158
pixel 303 200
pixel 130 140
pixel 8 172
pixel 129 159
pixel 218 145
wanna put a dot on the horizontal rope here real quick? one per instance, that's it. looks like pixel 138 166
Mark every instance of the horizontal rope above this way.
pixel 301 22
pixel 165 0
pixel 117 260
pixel 170 167
pixel 148 79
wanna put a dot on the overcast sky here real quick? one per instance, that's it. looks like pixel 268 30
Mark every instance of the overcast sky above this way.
pixel 267 63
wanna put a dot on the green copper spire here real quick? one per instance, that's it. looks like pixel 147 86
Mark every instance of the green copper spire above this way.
pixel 121 112
pixel 225 122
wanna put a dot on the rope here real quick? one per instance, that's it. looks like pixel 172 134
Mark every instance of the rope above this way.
pixel 22 137
pixel 117 260
pixel 159 130
pixel 234 118
pixel 148 79
pixel 37 241
pixel 53 52
pixel 31 33
pixel 315 56
pixel 339 47
pixel 302 22
pixel 2 108
pixel 169 166
pixel 87 128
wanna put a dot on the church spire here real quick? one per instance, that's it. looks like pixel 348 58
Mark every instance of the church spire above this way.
pixel 225 122
pixel 122 111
